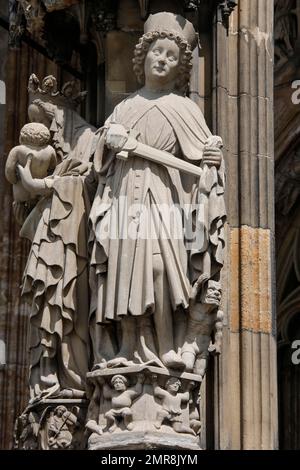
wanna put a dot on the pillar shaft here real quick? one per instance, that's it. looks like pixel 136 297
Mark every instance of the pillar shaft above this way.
pixel 245 376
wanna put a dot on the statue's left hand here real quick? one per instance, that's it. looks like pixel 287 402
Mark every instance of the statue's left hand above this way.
pixel 116 137
pixel 212 156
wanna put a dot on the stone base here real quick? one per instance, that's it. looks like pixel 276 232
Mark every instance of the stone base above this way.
pixel 156 418
pixel 132 440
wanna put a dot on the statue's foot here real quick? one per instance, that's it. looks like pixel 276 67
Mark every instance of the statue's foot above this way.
pixel 129 426
pixel 196 426
pixel 189 360
pixel 119 362
pixel 99 366
pixel 180 428
pixel 49 380
pixel 94 427
pixel 112 428
pixel 157 424
pixel 173 360
pixel 71 393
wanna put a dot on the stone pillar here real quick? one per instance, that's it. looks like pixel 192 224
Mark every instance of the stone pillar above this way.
pixel 245 411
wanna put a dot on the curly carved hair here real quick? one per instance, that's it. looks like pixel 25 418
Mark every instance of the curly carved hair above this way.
pixel 185 66
pixel 34 134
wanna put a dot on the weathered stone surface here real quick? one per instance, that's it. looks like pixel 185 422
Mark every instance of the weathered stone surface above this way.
pixel 52 425
pixel 120 78
pixel 242 96
pixel 251 280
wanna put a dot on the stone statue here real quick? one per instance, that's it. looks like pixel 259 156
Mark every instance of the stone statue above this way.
pixel 60 427
pixel 55 281
pixel 121 400
pixel 156 240
pixel 127 240
pixel 26 431
pixel 171 404
pixel 166 169
pixel 33 150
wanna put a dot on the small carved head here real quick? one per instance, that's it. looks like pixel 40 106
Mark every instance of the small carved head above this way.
pixel 60 410
pixel 119 382
pixel 173 384
pixel 166 56
pixel 35 134
pixel 213 293
pixel 42 112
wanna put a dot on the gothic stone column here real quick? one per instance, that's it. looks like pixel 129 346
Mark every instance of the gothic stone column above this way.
pixel 245 376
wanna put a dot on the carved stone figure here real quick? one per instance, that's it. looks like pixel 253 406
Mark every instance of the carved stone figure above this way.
pixel 127 239
pixel 34 151
pixel 55 280
pixel 121 400
pixel 60 427
pixel 171 404
pixel 26 431
pixel 169 162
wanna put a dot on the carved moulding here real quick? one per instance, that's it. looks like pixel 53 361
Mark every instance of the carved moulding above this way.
pixel 143 407
pixel 52 424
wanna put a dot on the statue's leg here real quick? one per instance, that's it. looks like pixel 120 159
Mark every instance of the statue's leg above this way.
pixel 104 348
pixel 128 343
pixel 127 416
pixel 161 416
pixel 181 428
pixel 198 336
pixel 111 420
pixel 48 371
pixel 163 316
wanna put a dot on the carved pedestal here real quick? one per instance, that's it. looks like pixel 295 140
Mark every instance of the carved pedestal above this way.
pixel 143 407
pixel 54 424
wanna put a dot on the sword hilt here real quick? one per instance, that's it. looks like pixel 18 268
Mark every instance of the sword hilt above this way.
pixel 129 146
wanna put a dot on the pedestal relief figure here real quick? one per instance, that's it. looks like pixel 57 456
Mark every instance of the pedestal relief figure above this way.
pixel 171 404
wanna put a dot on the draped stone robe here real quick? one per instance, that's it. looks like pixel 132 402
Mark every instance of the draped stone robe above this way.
pixel 55 281
pixel 130 216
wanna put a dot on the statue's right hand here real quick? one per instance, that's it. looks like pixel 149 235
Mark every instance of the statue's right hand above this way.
pixel 116 137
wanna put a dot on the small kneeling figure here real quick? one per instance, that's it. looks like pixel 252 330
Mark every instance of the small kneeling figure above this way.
pixel 121 400
pixel 171 403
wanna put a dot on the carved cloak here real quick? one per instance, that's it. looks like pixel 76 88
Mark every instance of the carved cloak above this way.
pixel 122 263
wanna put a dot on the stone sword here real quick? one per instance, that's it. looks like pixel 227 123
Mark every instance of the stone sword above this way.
pixel 133 147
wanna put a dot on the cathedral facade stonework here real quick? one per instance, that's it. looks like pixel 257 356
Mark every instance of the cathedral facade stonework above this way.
pixel 149 194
